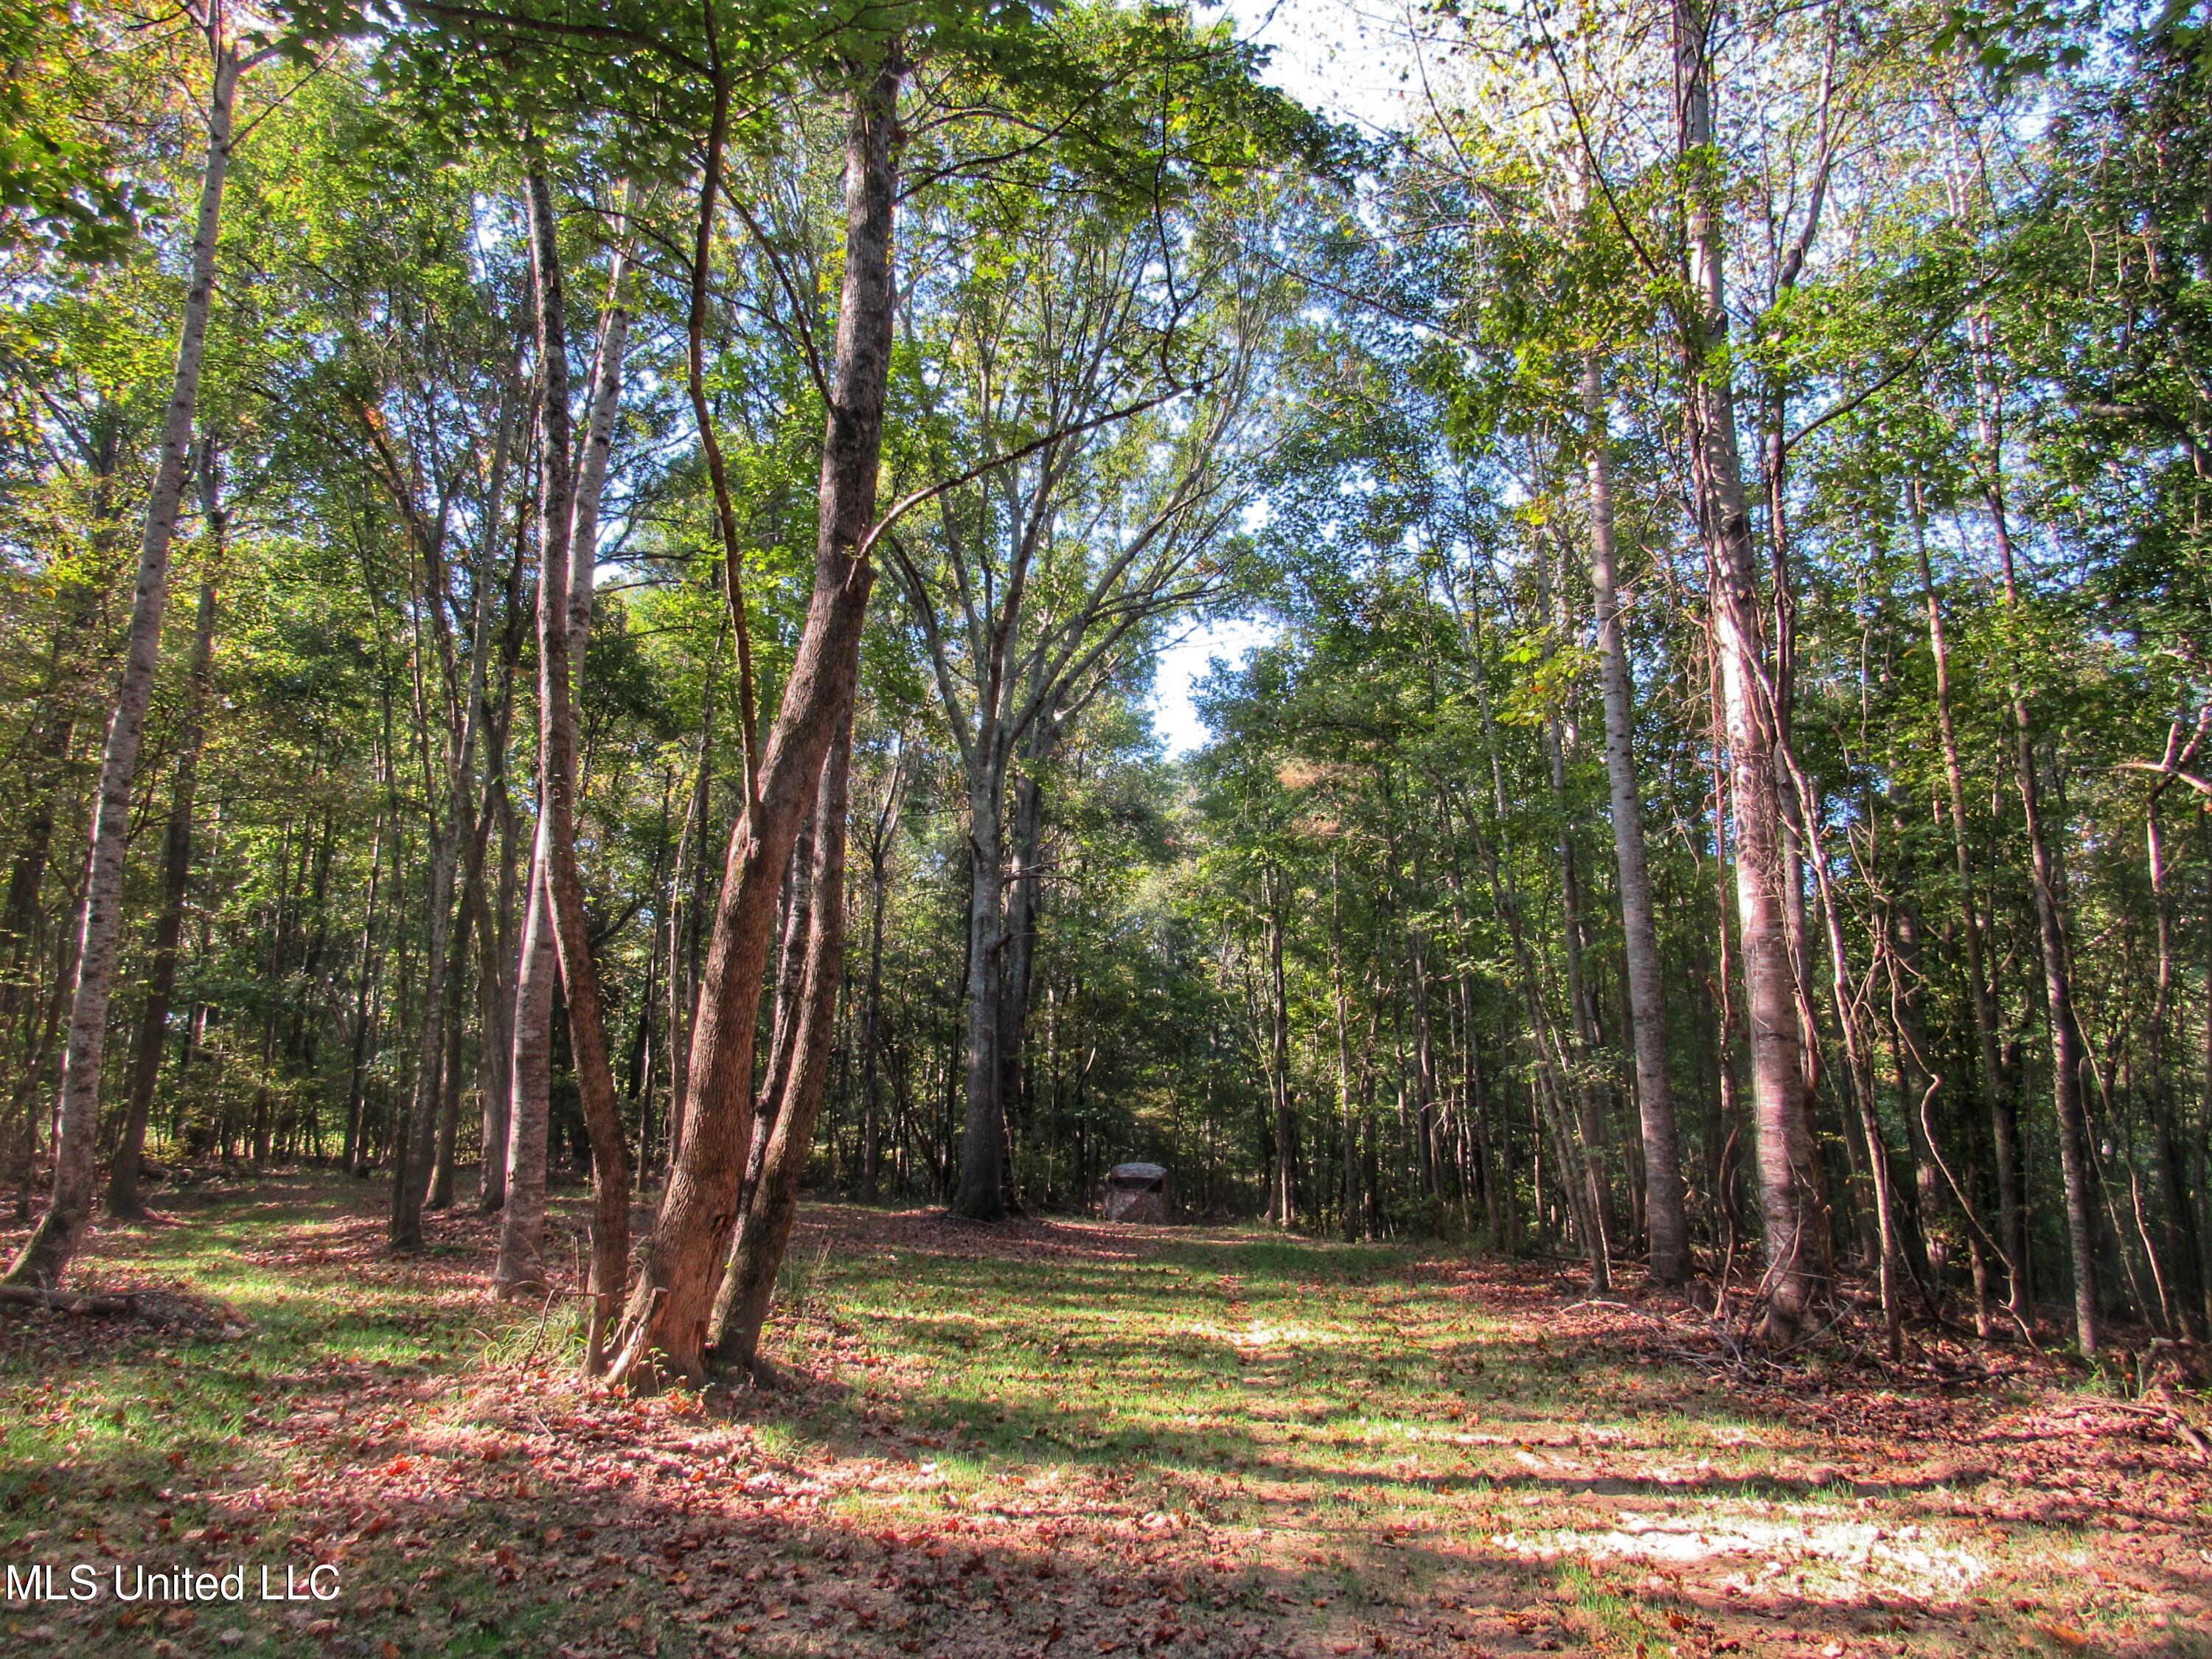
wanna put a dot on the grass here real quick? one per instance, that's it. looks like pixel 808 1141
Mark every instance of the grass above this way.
pixel 1052 1439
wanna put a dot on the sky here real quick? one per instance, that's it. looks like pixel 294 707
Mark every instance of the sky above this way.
pixel 1348 59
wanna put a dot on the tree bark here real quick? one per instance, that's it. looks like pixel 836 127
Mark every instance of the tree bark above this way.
pixel 442 1176
pixel 557 745
pixel 982 1196
pixel 872 1018
pixel 47 1255
pixel 684 900
pixel 417 1143
pixel 124 1202
pixel 2011 1213
pixel 1647 1000
pixel 1789 1195
pixel 1018 946
pixel 2065 1038
pixel 664 1328
pixel 787 1014
pixel 2184 1257
pixel 519 1270
pixel 1279 1061
pixel 2048 881
pixel 741 1304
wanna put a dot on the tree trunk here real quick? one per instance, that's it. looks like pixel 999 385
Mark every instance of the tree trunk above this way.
pixel 983 1140
pixel 519 1270
pixel 353 1155
pixel 556 747
pixel 2011 1213
pixel 124 1202
pixel 684 899
pixel 433 1101
pixel 2058 992
pixel 741 1304
pixel 2184 1260
pixel 664 1327
pixel 1279 1063
pixel 787 1014
pixel 2065 1038
pixel 45 1255
pixel 1017 947
pixel 872 1018
pixel 442 1179
pixel 1789 1189
pixel 495 1009
pixel 1647 1001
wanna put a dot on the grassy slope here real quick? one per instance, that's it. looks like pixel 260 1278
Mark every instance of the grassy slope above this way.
pixel 1061 1439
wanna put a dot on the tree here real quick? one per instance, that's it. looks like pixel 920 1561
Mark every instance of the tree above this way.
pixel 45 1255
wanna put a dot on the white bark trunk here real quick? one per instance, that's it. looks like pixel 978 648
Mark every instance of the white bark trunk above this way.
pixel 1647 997
pixel 47 1255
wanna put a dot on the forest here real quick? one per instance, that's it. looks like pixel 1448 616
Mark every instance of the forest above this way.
pixel 607 813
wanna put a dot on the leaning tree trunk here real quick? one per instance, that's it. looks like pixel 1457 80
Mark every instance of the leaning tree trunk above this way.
pixel 124 1202
pixel 556 747
pixel 741 1304
pixel 520 1269
pixel 45 1255
pixel 1647 1000
pixel 1789 1190
pixel 790 998
pixel 665 1325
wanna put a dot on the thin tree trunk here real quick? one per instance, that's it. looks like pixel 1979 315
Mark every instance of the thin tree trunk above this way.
pixel 353 1155
pixel 872 1022
pixel 1278 1062
pixel 459 835
pixel 1578 1060
pixel 683 906
pixel 442 1178
pixel 47 1255
pixel 124 1202
pixel 982 1196
pixel 1018 949
pixel 556 745
pixel 664 1327
pixel 1789 1190
pixel 2184 1256
pixel 764 1232
pixel 1662 1173
pixel 2057 983
pixel 2011 1211
pixel 787 1013
pixel 519 1270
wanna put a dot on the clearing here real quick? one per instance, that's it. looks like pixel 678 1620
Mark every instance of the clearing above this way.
pixel 1061 1439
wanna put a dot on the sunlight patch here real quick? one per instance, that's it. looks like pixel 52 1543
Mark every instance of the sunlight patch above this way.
pixel 1803 1554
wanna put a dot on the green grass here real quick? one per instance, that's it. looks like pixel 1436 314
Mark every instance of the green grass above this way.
pixel 1225 1430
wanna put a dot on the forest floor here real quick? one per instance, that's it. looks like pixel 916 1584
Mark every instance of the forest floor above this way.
pixel 1064 1439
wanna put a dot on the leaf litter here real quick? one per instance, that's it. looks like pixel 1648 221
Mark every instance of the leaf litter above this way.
pixel 1056 1437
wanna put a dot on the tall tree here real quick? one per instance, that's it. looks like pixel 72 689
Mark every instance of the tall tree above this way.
pixel 46 1254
